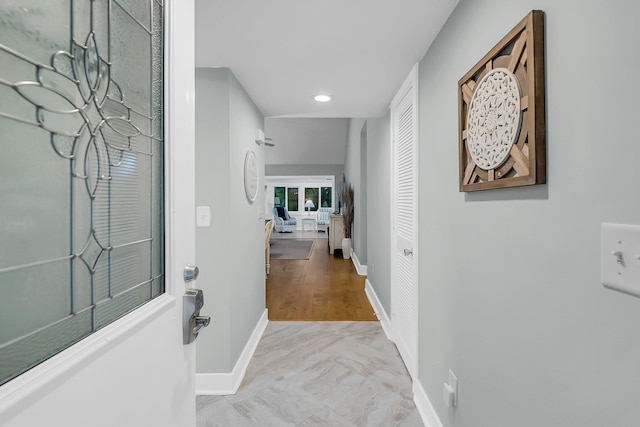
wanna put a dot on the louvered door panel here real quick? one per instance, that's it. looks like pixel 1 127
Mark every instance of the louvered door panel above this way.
pixel 404 286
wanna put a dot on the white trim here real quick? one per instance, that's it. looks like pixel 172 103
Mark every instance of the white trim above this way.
pixel 425 408
pixel 48 375
pixel 361 269
pixel 228 383
pixel 285 179
pixel 423 403
pixel 381 314
pixel 179 146
pixel 179 198
pixel 301 182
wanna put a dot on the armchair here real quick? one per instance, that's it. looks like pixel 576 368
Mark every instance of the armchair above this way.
pixel 323 219
pixel 284 223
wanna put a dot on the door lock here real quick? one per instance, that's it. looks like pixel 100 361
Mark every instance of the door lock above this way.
pixel 192 322
pixel 190 273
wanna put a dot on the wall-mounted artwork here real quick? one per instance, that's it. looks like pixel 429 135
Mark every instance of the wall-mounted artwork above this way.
pixel 501 112
pixel 251 176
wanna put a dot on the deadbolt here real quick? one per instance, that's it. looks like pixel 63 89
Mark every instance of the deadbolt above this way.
pixel 191 273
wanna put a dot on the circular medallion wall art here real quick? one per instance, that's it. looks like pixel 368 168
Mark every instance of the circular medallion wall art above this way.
pixel 502 112
pixel 493 120
pixel 251 176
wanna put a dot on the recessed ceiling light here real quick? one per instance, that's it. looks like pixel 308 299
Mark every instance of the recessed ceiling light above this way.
pixel 323 98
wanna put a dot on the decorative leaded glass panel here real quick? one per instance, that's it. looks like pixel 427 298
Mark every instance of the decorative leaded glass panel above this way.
pixel 81 170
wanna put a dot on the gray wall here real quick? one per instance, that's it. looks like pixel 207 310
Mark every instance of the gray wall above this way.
pixel 305 170
pixel 378 211
pixel 230 253
pixel 510 296
pixel 367 167
pixel 362 219
pixel 353 173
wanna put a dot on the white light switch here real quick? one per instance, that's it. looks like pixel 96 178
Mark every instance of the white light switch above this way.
pixel 620 257
pixel 203 216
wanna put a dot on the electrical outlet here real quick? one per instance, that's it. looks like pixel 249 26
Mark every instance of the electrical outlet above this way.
pixel 453 383
pixel 447 395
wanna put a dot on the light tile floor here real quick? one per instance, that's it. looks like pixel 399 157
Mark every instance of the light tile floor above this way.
pixel 338 374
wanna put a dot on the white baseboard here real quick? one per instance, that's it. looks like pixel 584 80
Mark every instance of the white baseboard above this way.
pixel 228 383
pixel 425 408
pixel 361 269
pixel 378 309
pixel 420 398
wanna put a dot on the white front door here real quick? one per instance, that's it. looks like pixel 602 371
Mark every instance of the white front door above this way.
pixel 404 227
pixel 134 371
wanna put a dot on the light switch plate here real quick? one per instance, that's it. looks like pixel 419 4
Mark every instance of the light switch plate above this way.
pixel 620 257
pixel 203 216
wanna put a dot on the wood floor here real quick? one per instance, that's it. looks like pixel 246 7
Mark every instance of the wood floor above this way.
pixel 324 287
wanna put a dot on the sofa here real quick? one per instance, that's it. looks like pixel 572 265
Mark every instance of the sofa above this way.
pixel 323 219
pixel 284 223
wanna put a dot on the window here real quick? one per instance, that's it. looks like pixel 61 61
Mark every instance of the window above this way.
pixel 313 195
pixel 81 236
pixel 292 199
pixel 278 196
pixel 326 193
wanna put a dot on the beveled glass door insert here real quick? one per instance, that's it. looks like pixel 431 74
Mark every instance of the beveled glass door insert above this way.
pixel 81 170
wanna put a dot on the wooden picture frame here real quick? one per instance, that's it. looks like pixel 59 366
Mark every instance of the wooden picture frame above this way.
pixel 501 112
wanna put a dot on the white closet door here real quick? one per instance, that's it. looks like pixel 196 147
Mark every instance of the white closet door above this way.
pixel 404 218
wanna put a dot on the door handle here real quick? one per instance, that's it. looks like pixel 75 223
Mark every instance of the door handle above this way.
pixel 192 322
pixel 408 252
pixel 201 322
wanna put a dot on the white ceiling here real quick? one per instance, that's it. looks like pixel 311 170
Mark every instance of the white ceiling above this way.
pixel 284 52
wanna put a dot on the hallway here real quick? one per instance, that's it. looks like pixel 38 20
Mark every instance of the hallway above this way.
pixel 324 287
pixel 317 371
pixel 318 374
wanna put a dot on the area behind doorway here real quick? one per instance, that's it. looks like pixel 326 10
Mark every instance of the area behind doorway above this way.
pixel 324 287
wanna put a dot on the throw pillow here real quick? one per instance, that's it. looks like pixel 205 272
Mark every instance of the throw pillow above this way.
pixel 281 212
